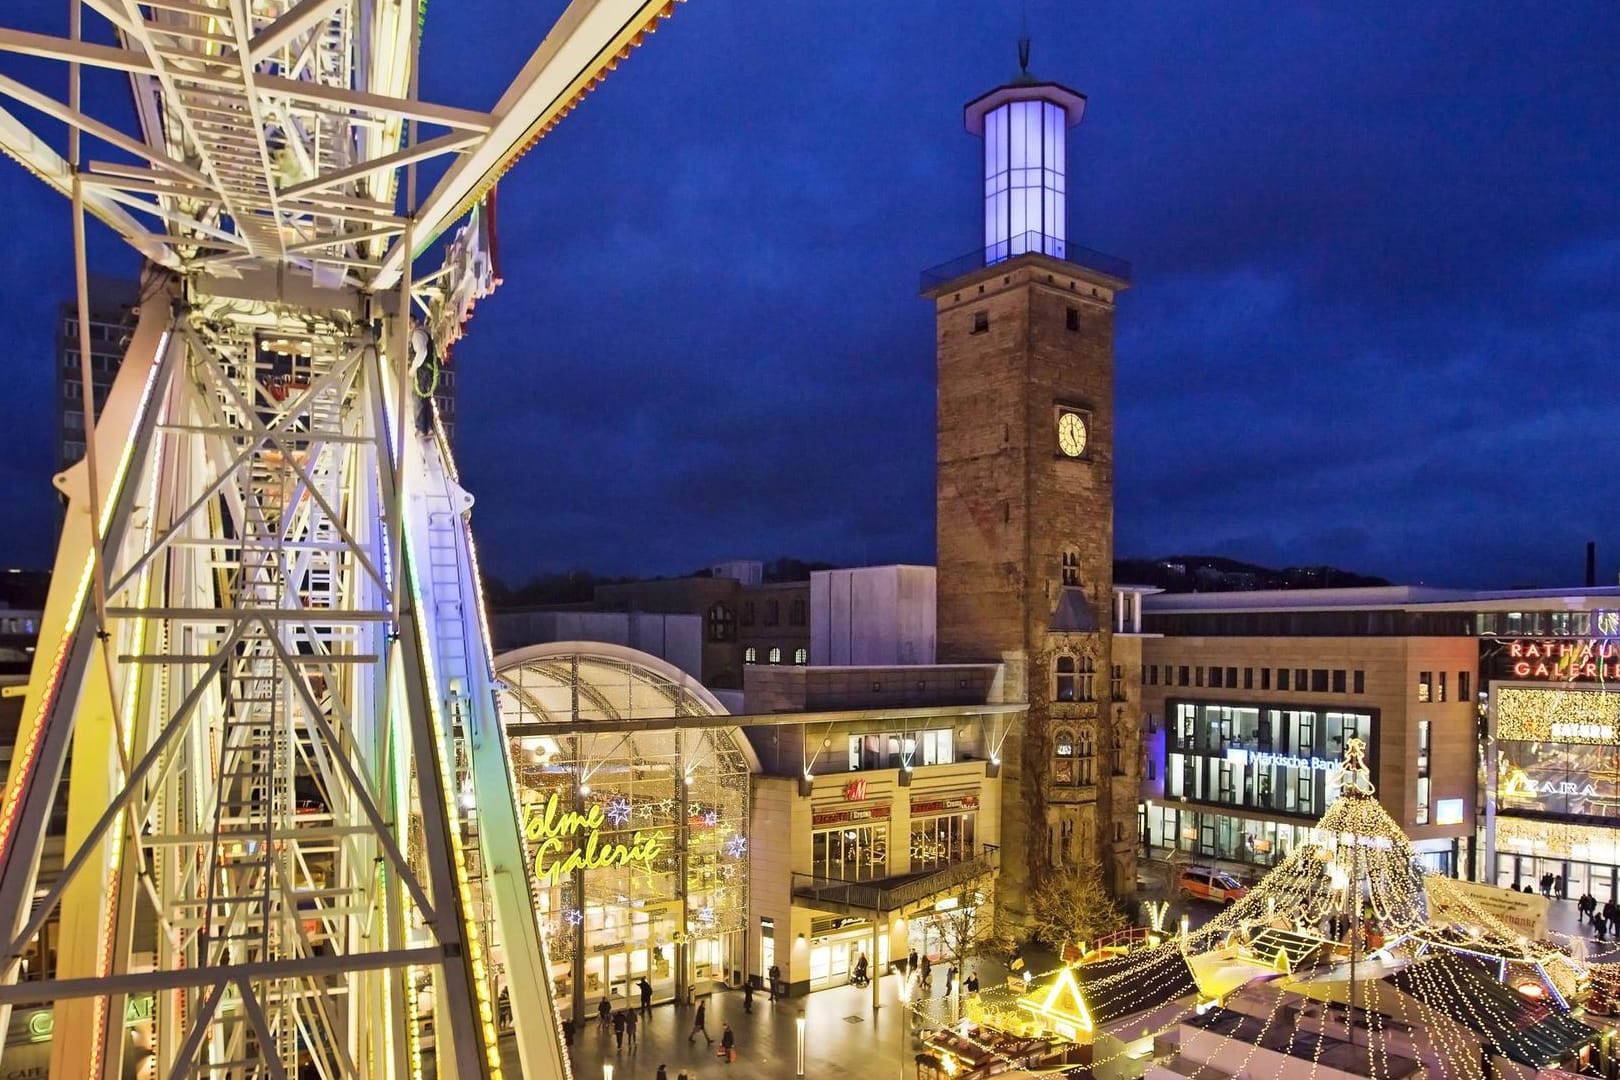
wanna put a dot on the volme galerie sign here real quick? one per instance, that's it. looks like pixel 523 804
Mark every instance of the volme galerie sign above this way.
pixel 1256 759
pixel 551 831
pixel 1564 661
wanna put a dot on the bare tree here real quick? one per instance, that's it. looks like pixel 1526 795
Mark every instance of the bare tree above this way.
pixel 969 928
pixel 1070 904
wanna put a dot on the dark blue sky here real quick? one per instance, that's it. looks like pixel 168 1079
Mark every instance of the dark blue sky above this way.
pixel 1376 319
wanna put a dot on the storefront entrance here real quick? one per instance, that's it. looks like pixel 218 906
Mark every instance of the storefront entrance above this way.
pixel 834 954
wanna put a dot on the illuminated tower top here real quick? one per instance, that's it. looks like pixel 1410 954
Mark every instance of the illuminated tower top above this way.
pixel 1025 127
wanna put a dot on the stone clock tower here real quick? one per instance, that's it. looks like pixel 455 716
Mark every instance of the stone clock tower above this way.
pixel 1025 492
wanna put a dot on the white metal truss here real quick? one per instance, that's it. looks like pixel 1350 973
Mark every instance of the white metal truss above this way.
pixel 262 691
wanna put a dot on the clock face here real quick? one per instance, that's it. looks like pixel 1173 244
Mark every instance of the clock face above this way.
pixel 1071 434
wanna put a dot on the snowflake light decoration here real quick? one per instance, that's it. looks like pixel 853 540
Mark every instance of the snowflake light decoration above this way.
pixel 737 846
pixel 618 811
pixel 574 916
pixel 711 819
pixel 706 914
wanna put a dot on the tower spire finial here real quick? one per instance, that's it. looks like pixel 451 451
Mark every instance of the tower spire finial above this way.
pixel 1023 38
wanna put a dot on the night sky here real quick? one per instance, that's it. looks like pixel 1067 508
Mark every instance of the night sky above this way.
pixel 1375 323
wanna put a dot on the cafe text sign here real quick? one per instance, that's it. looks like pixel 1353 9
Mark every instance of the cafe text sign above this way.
pixel 551 831
pixel 1562 660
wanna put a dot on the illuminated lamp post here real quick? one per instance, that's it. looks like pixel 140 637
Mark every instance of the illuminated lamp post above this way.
pixel 798 1023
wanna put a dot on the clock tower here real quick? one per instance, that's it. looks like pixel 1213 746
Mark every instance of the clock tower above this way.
pixel 1025 494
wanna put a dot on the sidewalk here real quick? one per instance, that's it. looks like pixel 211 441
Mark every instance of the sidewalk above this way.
pixel 841 1039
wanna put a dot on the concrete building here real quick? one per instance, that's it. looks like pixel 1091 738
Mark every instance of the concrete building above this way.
pixel 675 639
pixel 112 318
pixel 872 615
pixel 1248 700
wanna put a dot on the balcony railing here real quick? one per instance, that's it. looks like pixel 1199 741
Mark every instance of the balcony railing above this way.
pixel 1023 244
pixel 892 894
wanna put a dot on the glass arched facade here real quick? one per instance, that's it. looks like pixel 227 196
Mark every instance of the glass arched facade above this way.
pixel 636 830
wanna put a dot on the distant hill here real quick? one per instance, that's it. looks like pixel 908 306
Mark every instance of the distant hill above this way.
pixel 1215 573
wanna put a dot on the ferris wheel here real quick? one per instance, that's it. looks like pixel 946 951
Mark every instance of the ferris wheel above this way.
pixel 259 821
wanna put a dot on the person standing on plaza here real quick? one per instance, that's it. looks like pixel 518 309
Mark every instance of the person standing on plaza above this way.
pixel 700 1023
pixel 911 961
pixel 1558 887
pixel 971 983
pixel 748 997
pixel 630 1022
pixel 604 1013
pixel 776 978
pixel 1611 914
pixel 1585 906
pixel 618 1030
pixel 646 994
pixel 662 1074
pixel 728 1043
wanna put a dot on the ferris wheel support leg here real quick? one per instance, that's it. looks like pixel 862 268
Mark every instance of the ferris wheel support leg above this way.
pixel 66 685
pixel 461 1053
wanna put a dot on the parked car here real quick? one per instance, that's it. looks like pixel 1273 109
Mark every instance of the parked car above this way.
pixel 1202 883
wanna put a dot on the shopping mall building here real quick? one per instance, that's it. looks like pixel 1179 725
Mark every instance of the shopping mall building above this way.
pixel 1492 731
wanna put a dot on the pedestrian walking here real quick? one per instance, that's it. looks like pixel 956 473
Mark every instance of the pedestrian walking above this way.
pixel 911 961
pixel 646 994
pixel 700 1023
pixel 748 997
pixel 618 1030
pixel 631 1020
pixel 1598 924
pixel 1558 886
pixel 950 977
pixel 662 1074
pixel 776 977
pixel 971 983
pixel 568 1031
pixel 1584 907
pixel 728 1044
pixel 604 1013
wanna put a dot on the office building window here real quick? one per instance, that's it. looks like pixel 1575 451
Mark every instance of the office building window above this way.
pixel 1153 674
pixel 1440 687
pixel 1425 687
pixel 1265 678
pixel 773 613
pixel 1299 679
pixel 1215 677
pixel 1282 678
pixel 746 618
pixel 941 839
pixel 1183 673
pixel 796 612
pixel 1338 680
pixel 722 623
pixel 1198 675
pixel 1358 682
pixel 1464 680
pixel 1248 678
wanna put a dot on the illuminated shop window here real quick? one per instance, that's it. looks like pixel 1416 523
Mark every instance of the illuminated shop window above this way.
pixel 801 657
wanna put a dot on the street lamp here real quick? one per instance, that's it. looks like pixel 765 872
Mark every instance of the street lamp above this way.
pixel 607 1070
pixel 798 1023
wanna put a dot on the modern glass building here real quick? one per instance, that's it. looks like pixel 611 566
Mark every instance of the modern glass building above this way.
pixel 637 833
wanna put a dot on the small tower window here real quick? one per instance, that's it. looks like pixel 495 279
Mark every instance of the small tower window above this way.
pixel 981 322
pixel 1071 318
pixel 722 624
pixel 750 655
pixel 1063 672
pixel 1071 567
pixel 775 655
pixel 801 656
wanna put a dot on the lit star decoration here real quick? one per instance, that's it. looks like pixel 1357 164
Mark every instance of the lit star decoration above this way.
pixel 706 914
pixel 618 811
pixel 574 916
pixel 711 819
pixel 737 846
